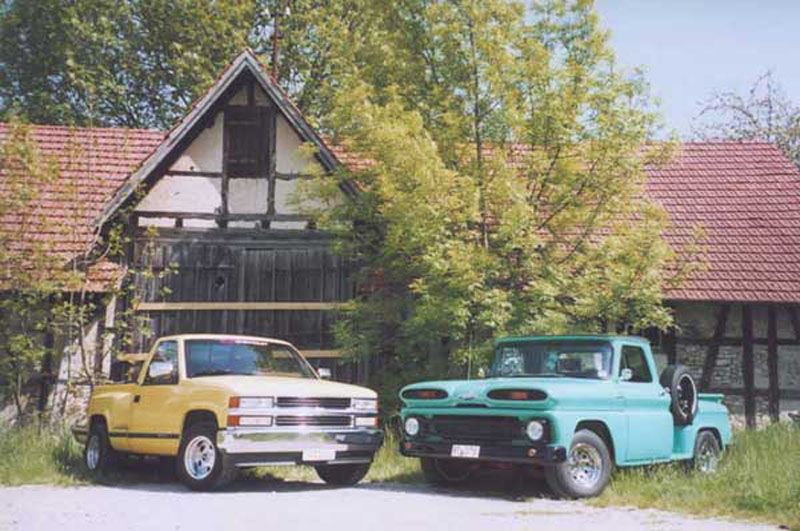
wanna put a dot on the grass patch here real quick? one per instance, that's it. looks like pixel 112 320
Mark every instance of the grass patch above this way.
pixel 36 455
pixel 758 479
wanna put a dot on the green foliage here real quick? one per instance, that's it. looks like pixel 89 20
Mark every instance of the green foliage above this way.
pixel 757 479
pixel 137 63
pixel 506 200
pixel 36 454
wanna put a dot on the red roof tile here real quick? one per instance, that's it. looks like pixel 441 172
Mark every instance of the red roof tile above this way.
pixel 744 196
pixel 93 162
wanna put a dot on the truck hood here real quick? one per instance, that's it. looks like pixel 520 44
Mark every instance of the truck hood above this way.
pixel 279 386
pixel 560 391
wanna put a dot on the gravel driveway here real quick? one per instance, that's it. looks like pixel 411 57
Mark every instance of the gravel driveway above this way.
pixel 294 505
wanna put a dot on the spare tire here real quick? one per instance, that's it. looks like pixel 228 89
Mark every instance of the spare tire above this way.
pixel 678 382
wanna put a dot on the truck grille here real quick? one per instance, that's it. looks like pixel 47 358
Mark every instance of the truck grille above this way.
pixel 478 428
pixel 325 403
pixel 338 421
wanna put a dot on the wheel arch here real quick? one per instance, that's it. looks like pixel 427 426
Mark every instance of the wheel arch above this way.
pixel 714 431
pixel 600 428
pixel 195 416
pixel 97 418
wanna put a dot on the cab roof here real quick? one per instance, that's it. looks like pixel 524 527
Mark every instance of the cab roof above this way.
pixel 577 337
pixel 225 337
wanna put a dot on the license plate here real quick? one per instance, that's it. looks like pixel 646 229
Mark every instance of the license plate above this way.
pixel 319 455
pixel 465 450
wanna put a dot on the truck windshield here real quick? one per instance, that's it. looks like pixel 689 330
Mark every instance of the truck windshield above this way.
pixel 555 359
pixel 217 357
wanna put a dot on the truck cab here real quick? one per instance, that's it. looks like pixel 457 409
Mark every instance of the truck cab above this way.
pixel 577 406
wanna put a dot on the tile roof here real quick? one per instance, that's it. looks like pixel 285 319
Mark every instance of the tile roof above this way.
pixel 93 162
pixel 745 196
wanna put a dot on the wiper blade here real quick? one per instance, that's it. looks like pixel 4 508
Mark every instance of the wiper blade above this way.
pixel 216 372
pixel 540 375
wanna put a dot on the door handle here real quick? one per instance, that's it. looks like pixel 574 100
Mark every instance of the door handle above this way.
pixel 136 398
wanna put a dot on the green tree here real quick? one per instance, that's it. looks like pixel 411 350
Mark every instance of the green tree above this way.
pixel 510 201
pixel 764 114
pixel 137 63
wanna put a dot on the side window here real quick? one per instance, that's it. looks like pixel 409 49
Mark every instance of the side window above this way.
pixel 163 368
pixel 633 358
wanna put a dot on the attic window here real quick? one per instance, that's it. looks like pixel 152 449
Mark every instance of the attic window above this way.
pixel 246 141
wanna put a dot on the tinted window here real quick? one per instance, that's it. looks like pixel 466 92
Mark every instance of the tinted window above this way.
pixel 574 359
pixel 214 357
pixel 633 358
pixel 166 352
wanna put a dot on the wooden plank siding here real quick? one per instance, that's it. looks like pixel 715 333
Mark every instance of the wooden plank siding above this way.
pixel 282 288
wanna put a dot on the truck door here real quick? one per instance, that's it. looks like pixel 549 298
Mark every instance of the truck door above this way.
pixel 646 407
pixel 155 415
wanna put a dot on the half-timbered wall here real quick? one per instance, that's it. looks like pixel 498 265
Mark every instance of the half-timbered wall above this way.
pixel 749 352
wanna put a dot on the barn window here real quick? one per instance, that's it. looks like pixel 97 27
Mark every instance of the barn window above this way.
pixel 246 138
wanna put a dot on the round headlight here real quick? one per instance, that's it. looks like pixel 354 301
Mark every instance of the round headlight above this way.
pixel 534 430
pixel 412 426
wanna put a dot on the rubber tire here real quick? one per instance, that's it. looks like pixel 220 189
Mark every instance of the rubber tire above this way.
pixel 558 477
pixel 108 456
pixel 698 442
pixel 222 473
pixel 670 380
pixel 342 475
pixel 431 471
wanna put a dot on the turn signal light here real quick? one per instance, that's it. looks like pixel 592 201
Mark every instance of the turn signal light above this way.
pixel 425 394
pixel 517 394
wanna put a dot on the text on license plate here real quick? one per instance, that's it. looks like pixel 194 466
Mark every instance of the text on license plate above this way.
pixel 319 455
pixel 465 450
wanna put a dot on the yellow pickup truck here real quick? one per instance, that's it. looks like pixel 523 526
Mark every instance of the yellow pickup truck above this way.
pixel 219 403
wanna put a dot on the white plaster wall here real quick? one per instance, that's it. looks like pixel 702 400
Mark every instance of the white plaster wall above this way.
pixel 177 193
pixel 247 196
pixel 205 153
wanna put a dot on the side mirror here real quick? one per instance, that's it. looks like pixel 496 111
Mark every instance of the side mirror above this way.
pixel 159 369
pixel 625 375
pixel 324 373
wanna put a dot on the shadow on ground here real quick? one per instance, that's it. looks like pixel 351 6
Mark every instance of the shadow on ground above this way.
pixel 157 474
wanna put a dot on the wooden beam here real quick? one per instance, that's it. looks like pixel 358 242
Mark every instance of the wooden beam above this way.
pixel 795 321
pixel 772 363
pixel 785 394
pixel 321 353
pixel 713 348
pixel 212 216
pixel 226 140
pixel 271 118
pixel 670 345
pixel 236 306
pixel 193 173
pixel 748 369
pixel 292 176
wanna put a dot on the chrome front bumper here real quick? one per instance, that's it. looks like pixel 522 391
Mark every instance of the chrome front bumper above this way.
pixel 302 445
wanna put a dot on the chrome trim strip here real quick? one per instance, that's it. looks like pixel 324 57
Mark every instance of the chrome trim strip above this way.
pixel 298 412
pixel 250 440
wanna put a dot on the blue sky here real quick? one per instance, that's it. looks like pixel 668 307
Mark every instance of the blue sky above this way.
pixel 690 48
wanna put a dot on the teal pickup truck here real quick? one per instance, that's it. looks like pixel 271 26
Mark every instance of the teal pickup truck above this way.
pixel 577 406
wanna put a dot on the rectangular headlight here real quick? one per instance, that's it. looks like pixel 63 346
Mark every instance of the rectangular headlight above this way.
pixel 241 402
pixel 364 404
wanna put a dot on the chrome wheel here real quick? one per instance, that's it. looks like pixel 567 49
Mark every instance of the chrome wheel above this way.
pixel 585 465
pixel 707 457
pixel 93 452
pixel 199 457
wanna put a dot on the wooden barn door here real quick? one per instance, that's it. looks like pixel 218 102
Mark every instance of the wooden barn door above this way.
pixel 282 291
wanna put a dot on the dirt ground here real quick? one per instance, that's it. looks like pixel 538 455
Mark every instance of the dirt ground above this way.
pixel 258 504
